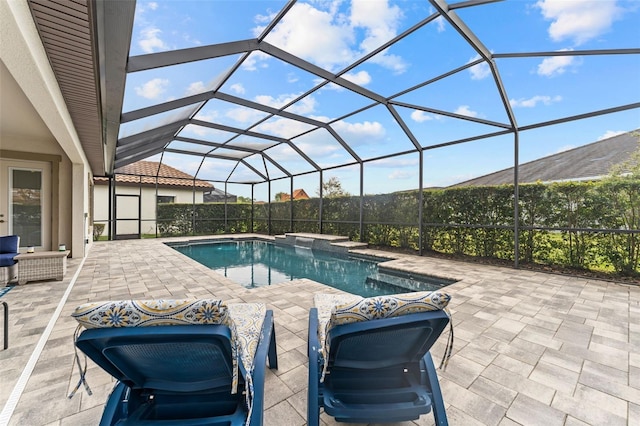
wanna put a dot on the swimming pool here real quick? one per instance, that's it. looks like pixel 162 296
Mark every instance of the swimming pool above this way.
pixel 254 263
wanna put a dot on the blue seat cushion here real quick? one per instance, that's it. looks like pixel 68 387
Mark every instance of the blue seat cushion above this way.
pixel 6 259
pixel 9 244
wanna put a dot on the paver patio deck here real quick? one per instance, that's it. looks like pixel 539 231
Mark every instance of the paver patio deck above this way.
pixel 530 348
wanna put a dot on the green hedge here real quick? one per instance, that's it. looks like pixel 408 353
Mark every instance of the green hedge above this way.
pixel 473 221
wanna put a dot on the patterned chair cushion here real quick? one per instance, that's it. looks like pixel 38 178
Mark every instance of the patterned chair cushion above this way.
pixel 334 310
pixel 245 321
pixel 379 307
pixel 144 313
pixel 325 304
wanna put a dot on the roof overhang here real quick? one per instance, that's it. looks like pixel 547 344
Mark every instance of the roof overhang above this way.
pixel 74 36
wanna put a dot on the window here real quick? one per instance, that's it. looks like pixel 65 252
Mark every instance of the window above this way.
pixel 164 199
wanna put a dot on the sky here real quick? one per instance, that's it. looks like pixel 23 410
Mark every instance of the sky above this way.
pixel 333 35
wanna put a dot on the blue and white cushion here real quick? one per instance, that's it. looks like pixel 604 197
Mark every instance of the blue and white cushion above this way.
pixel 145 313
pixel 334 310
pixel 245 320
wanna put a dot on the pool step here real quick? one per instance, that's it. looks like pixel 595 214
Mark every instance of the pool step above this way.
pixel 351 245
pixel 405 284
pixel 333 243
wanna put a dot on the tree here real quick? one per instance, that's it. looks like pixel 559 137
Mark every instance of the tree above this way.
pixel 242 199
pixel 280 196
pixel 332 188
pixel 620 207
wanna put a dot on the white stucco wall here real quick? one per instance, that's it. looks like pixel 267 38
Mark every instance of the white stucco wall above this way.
pixel 24 57
pixel 128 206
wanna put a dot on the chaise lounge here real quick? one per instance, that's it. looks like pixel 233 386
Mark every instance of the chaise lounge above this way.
pixel 179 362
pixel 369 359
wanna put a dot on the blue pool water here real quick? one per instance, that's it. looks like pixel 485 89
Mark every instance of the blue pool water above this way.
pixel 258 263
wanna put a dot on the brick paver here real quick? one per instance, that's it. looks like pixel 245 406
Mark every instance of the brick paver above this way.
pixel 531 348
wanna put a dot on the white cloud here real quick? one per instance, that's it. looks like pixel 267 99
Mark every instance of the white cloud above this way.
pixel 244 115
pixel 207 116
pixel 400 175
pixel 479 71
pixel 329 86
pixel 534 101
pixel 555 65
pixel 304 106
pixel 440 24
pixel 210 117
pixel 361 78
pixel 278 102
pixel 368 26
pixel 319 150
pixel 238 88
pixel 611 133
pixel 195 88
pixel 141 8
pixel 421 116
pixel 313 148
pixel 152 89
pixel 359 132
pixel 250 63
pixel 464 110
pixel 283 127
pixel 190 40
pixel 579 20
pixel 298 32
pixel 394 63
pixel 149 40
pixel 380 22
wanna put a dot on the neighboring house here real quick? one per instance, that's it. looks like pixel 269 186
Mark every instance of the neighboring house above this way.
pixel 219 196
pixel 298 194
pixel 588 162
pixel 137 193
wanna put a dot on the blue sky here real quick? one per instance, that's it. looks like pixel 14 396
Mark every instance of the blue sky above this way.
pixel 334 34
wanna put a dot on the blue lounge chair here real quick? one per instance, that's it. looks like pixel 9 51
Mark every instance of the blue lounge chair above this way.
pixel 369 359
pixel 202 362
pixel 9 247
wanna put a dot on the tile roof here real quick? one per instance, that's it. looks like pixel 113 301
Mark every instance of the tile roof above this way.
pixel 298 194
pixel 591 161
pixel 147 170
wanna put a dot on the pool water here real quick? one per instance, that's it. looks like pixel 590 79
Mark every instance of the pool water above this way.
pixel 258 263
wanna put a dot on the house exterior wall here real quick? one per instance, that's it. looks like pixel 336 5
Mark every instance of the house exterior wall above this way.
pixel 128 207
pixel 33 85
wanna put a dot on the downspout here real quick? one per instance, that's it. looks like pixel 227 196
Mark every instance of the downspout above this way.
pixel 111 209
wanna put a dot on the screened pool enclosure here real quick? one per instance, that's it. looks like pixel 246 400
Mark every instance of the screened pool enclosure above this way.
pixel 393 100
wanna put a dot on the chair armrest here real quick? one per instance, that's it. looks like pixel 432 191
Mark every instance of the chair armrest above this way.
pixel 115 410
pixel 439 412
pixel 313 332
pixel 266 350
pixel 313 396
